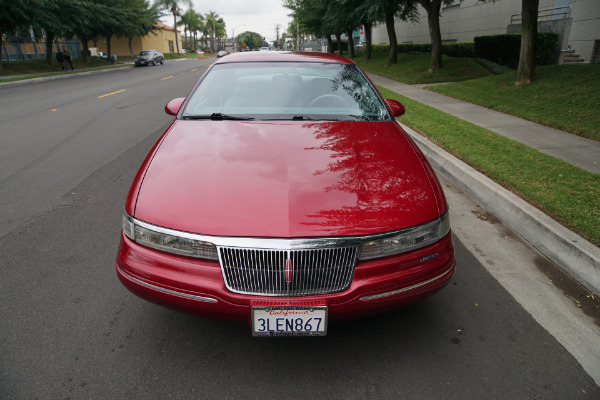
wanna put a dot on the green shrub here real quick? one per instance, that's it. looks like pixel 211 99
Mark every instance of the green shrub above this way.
pixel 335 46
pixel 504 49
pixel 546 45
pixel 449 49
pixel 463 50
pixel 414 48
pixel 380 49
pixel 501 49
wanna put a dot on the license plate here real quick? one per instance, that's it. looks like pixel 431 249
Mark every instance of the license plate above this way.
pixel 289 321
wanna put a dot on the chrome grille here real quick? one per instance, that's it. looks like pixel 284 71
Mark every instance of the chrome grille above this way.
pixel 263 271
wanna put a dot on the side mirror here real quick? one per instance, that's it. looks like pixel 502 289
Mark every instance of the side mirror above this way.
pixel 172 107
pixel 396 107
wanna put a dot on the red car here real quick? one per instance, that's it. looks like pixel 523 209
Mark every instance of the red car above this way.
pixel 285 195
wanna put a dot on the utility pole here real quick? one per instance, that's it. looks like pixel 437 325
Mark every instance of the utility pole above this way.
pixel 277 28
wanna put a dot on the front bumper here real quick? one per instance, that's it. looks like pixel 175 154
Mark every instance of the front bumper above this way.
pixel 196 286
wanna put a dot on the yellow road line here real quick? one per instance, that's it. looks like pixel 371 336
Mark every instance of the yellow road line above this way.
pixel 195 69
pixel 104 95
pixel 166 77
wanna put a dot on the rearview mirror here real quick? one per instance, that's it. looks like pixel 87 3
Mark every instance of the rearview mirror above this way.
pixel 172 107
pixel 396 107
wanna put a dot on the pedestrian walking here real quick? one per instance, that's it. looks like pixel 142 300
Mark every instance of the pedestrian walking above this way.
pixel 67 56
pixel 60 57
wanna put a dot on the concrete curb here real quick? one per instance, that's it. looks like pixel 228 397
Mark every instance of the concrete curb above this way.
pixel 575 255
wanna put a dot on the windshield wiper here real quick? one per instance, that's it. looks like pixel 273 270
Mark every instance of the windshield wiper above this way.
pixel 301 118
pixel 218 117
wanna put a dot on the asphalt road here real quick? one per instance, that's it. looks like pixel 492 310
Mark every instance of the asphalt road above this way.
pixel 70 330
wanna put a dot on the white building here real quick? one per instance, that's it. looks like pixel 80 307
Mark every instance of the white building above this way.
pixel 576 21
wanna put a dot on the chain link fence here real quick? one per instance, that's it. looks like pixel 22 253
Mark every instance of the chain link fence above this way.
pixel 23 49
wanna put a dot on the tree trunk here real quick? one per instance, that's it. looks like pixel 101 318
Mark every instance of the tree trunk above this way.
pixel 108 52
pixel 185 31
pixel 391 30
pixel 526 70
pixel 84 46
pixel 175 31
pixel 49 39
pixel 351 43
pixel 130 47
pixel 330 44
pixel 338 37
pixel 1 49
pixel 368 48
pixel 433 18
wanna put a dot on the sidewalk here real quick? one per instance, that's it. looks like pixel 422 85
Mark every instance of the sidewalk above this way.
pixel 578 151
pixel 575 255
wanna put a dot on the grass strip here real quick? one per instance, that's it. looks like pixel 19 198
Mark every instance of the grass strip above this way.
pixel 567 193
pixel 8 78
pixel 564 97
pixel 40 68
pixel 413 68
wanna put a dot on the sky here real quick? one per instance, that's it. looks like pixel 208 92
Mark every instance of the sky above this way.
pixel 259 16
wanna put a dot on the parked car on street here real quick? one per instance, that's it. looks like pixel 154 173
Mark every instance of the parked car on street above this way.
pixel 221 53
pixel 149 57
pixel 285 194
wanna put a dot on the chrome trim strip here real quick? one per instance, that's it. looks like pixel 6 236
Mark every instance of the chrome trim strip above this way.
pixel 186 295
pixel 393 292
pixel 280 243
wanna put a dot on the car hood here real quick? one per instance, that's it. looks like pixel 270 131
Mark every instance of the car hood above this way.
pixel 286 179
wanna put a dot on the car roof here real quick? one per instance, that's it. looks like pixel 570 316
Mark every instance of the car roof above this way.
pixel 282 56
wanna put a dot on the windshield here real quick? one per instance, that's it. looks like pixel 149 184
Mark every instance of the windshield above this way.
pixel 286 90
pixel 145 53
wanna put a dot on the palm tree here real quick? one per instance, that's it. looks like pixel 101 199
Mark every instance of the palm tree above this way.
pixel 173 7
pixel 221 32
pixel 213 22
pixel 197 25
pixel 187 20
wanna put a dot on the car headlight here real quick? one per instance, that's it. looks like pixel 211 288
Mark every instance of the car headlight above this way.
pixel 165 239
pixel 407 240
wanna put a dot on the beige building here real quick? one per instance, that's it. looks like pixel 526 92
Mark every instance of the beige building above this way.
pixel 161 39
pixel 577 22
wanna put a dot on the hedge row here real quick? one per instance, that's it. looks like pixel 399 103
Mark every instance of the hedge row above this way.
pixel 501 49
pixel 504 49
pixel 449 49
